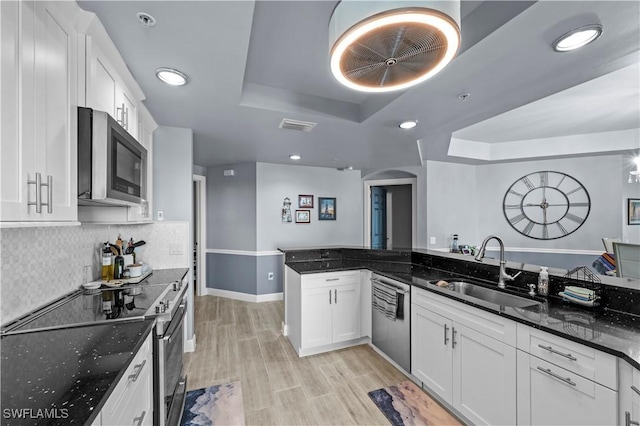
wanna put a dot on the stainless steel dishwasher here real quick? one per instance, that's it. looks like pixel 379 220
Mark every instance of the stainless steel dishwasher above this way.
pixel 390 319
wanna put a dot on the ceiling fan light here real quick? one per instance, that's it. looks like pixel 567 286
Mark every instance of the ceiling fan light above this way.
pixel 171 76
pixel 577 38
pixel 428 38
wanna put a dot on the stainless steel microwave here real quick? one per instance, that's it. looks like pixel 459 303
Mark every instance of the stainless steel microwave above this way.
pixel 112 164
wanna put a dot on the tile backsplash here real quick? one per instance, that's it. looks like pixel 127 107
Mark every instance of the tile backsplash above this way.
pixel 42 264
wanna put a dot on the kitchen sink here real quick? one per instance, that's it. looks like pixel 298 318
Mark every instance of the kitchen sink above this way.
pixel 489 295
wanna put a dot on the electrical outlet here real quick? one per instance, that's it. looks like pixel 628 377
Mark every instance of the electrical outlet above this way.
pixel 432 240
pixel 160 215
pixel 270 276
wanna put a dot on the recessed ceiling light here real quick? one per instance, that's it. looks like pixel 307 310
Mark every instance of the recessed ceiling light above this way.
pixel 295 156
pixel 146 20
pixel 171 76
pixel 577 38
pixel 409 124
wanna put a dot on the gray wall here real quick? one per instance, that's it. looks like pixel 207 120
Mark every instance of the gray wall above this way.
pixel 231 207
pixel 400 215
pixel 172 186
pixel 630 233
pixel 199 170
pixel 172 172
pixel 276 181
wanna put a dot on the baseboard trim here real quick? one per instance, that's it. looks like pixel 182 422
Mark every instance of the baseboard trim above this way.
pixel 245 297
pixel 333 347
pixel 190 344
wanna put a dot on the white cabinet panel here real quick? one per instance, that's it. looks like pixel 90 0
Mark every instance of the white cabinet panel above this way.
pixel 316 317
pixel 102 88
pixel 346 315
pixel 45 145
pixel 431 359
pixel 551 395
pixel 484 377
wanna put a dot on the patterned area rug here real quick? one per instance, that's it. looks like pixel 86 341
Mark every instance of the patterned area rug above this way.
pixel 215 405
pixel 406 404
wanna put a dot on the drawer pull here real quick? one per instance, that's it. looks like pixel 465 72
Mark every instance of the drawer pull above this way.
pixel 635 389
pixel 332 279
pixel 335 295
pixel 133 377
pixel 446 339
pixel 139 419
pixel 567 380
pixel 628 421
pixel 550 349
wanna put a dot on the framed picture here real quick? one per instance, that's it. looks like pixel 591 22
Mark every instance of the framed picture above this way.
pixel 305 201
pixel 633 211
pixel 327 208
pixel 303 216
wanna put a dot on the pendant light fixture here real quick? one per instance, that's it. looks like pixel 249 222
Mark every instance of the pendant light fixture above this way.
pixel 381 46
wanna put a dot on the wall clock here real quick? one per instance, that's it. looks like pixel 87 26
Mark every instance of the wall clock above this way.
pixel 546 205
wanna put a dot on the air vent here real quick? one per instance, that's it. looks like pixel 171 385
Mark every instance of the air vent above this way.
pixel 303 126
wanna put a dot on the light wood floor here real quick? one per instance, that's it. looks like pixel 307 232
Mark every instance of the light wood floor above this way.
pixel 241 341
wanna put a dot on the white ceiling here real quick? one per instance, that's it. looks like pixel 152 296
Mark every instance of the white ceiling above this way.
pixel 251 64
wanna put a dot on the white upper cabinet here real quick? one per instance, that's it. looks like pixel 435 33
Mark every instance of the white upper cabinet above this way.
pixel 39 112
pixel 105 86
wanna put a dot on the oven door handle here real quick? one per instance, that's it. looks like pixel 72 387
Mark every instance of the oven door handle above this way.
pixel 175 325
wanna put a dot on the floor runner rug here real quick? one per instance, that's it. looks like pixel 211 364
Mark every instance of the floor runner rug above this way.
pixel 406 404
pixel 215 405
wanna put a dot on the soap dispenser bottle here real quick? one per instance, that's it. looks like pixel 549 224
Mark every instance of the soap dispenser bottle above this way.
pixel 543 281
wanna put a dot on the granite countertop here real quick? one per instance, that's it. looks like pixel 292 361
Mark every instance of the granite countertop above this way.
pixel 610 331
pixel 69 372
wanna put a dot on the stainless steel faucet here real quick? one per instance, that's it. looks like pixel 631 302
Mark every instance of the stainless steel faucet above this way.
pixel 503 273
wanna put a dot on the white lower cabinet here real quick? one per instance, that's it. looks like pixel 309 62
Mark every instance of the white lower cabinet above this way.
pixel 629 395
pixel 551 395
pixel 131 402
pixel 471 370
pixel 330 309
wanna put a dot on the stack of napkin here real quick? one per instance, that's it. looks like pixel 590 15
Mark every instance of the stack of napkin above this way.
pixel 580 295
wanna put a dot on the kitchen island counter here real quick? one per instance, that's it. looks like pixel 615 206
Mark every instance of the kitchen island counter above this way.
pixel 610 330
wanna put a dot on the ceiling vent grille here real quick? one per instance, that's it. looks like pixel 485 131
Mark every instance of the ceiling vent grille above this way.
pixel 303 126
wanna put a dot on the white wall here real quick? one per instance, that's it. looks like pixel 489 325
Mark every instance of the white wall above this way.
pixel 276 181
pixel 452 205
pixel 468 200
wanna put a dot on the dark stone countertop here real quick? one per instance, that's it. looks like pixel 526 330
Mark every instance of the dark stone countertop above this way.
pixel 70 372
pixel 166 276
pixel 610 331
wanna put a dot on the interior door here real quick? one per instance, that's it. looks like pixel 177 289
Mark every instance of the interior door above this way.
pixel 378 217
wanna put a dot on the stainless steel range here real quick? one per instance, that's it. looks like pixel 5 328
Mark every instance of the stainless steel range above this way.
pixel 130 302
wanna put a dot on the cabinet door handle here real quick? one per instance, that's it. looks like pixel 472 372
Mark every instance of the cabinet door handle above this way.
pixel 550 349
pixel 133 377
pixel 120 109
pixel 139 419
pixel 335 295
pixel 628 421
pixel 635 389
pixel 453 337
pixel 446 338
pixel 548 371
pixel 329 296
pixel 126 118
pixel 38 183
pixel 49 186
pixel 332 279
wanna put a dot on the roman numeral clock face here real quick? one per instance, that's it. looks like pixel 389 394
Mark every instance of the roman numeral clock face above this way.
pixel 546 205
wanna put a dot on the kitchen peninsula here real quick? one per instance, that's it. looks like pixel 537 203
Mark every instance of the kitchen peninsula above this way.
pixel 602 344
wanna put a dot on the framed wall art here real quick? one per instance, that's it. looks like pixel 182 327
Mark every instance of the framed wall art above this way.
pixel 326 208
pixel 303 216
pixel 633 211
pixel 305 201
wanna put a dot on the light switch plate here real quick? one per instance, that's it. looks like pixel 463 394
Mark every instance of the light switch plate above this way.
pixel 175 248
pixel 270 276
pixel 160 215
pixel 432 240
